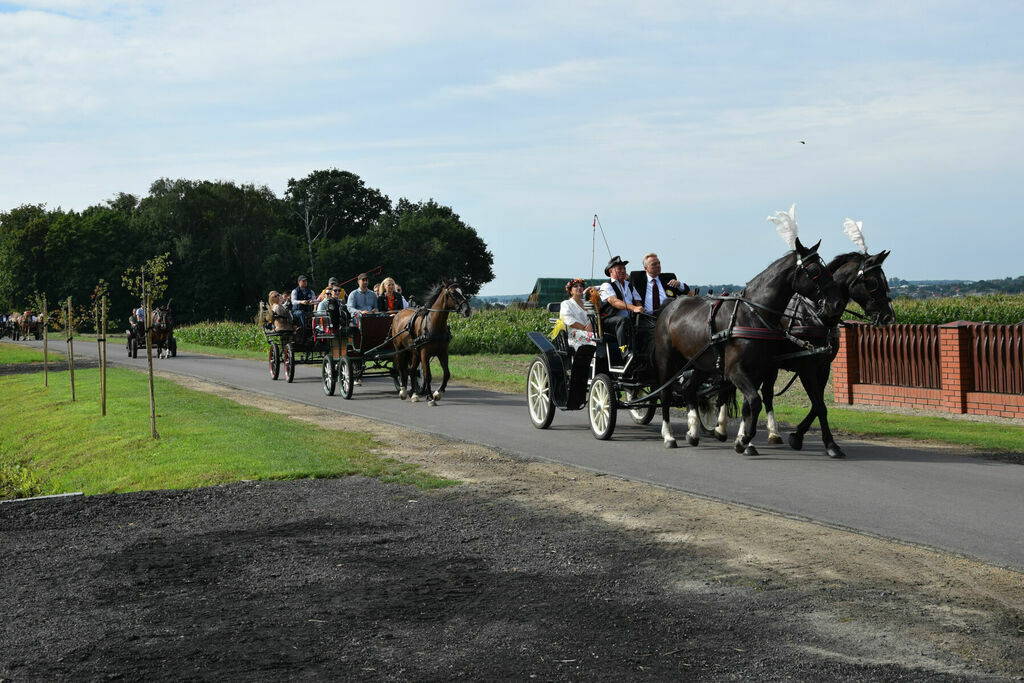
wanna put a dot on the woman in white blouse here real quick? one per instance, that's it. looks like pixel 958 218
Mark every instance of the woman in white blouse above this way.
pixel 574 316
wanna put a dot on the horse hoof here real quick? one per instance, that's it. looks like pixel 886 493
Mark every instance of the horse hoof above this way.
pixel 671 444
pixel 402 395
pixel 834 451
pixel 415 398
pixel 750 450
pixel 431 402
pixel 693 440
pixel 796 442
pixel 721 436
pixel 738 447
pixel 437 395
pixel 775 438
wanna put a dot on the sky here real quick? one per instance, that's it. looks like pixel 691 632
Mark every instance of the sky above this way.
pixel 681 125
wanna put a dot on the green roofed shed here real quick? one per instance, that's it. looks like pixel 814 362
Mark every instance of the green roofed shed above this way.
pixel 549 289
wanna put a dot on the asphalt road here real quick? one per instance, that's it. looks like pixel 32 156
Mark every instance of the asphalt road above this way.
pixel 935 497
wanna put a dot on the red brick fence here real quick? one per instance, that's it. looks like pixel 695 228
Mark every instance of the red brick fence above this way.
pixel 959 367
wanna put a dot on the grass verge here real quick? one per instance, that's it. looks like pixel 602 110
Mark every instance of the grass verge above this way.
pixel 60 446
pixel 14 353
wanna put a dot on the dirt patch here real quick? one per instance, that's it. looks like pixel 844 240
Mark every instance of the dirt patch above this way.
pixel 525 570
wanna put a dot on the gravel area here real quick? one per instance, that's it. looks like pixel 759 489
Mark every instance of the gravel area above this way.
pixel 526 570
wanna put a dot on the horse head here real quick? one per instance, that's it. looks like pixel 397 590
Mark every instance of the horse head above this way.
pixel 454 298
pixel 811 278
pixel 870 289
pixel 163 319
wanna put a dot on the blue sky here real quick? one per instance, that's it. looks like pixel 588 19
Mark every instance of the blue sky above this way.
pixel 678 123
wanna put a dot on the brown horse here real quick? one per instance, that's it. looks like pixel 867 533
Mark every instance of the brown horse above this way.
pixel 422 333
pixel 162 332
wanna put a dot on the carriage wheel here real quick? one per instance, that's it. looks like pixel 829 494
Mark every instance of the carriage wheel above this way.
pixel 289 362
pixel 173 346
pixel 707 413
pixel 396 378
pixel 133 348
pixel 601 407
pixel 345 379
pixel 274 361
pixel 416 379
pixel 641 415
pixel 538 394
pixel 329 376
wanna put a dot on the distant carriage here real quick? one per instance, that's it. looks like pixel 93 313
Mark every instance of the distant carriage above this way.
pixel 161 333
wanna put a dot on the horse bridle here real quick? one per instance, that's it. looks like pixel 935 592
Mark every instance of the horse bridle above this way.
pixel 461 300
pixel 814 267
pixel 876 287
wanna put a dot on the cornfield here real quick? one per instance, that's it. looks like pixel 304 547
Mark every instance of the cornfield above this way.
pixel 225 335
pixel 1001 309
pixel 505 331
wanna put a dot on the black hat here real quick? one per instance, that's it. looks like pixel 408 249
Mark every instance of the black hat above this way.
pixel 303 277
pixel 615 261
pixel 333 281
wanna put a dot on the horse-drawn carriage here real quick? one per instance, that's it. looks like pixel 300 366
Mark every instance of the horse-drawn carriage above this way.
pixel 706 348
pixel 346 351
pixel 598 378
pixel 161 332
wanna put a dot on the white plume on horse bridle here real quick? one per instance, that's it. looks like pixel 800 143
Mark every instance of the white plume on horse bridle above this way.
pixel 785 224
pixel 853 229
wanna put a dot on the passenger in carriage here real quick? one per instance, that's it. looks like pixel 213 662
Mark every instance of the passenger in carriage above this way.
pixel 389 300
pixel 575 316
pixel 362 300
pixel 331 284
pixel 618 300
pixel 303 299
pixel 334 291
pixel 655 289
pixel 280 316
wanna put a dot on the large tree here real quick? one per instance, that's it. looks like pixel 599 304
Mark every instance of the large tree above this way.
pixel 331 205
pixel 420 243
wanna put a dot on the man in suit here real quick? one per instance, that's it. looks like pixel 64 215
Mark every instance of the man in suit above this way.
pixel 654 287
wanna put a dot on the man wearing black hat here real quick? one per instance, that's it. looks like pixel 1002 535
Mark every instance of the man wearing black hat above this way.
pixel 303 299
pixel 618 300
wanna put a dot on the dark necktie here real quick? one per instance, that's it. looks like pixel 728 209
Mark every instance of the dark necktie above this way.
pixel 655 296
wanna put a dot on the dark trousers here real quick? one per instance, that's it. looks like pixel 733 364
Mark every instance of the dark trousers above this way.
pixel 622 327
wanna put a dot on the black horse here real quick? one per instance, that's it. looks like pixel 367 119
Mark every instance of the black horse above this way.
pixel 732 336
pixel 859 277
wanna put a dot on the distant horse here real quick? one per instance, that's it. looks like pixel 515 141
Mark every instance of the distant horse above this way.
pixel 27 326
pixel 162 332
pixel 422 333
pixel 859 277
pixel 732 335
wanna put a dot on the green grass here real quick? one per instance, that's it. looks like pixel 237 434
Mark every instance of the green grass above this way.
pixel 59 446
pixel 15 353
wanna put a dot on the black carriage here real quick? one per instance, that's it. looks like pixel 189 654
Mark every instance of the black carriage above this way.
pixel 599 379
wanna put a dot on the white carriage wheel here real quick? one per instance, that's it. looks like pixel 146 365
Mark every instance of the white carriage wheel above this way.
pixel 601 407
pixel 538 394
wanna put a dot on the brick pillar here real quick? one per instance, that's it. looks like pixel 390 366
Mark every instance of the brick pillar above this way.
pixel 846 366
pixel 956 370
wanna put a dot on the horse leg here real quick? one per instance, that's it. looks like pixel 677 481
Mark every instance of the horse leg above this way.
pixel 414 396
pixel 668 365
pixel 768 395
pixel 442 357
pixel 402 363
pixel 426 378
pixel 816 392
pixel 751 410
pixel 726 397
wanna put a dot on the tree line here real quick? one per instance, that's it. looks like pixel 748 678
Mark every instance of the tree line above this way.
pixel 229 244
